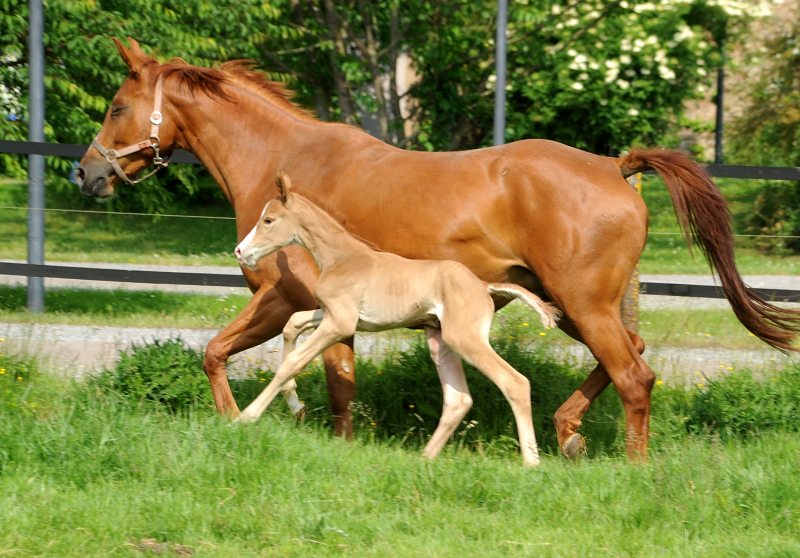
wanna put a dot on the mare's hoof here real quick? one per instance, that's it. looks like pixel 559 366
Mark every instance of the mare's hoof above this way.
pixel 301 414
pixel 574 448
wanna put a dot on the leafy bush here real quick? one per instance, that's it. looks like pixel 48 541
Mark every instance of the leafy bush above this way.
pixel 164 372
pixel 740 405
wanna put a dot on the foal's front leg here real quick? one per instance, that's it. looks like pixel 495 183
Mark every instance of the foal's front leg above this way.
pixel 328 333
pixel 297 324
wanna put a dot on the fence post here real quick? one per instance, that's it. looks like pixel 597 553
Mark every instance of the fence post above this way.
pixel 36 162
pixel 630 302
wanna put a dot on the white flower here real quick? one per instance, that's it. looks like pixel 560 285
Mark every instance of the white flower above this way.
pixel 702 72
pixel 578 86
pixel 625 59
pixel 583 77
pixel 633 112
pixel 622 84
pixel 666 73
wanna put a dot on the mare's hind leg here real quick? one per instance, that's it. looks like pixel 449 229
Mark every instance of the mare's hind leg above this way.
pixel 457 400
pixel 567 418
pixel 618 353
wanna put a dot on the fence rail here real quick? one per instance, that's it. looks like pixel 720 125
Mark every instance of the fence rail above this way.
pixel 76 151
pixel 225 280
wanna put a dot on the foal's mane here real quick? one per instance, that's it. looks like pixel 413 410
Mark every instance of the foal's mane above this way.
pixel 210 82
pixel 329 214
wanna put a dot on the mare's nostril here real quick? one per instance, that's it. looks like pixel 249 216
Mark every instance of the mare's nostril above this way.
pixel 79 174
pixel 238 252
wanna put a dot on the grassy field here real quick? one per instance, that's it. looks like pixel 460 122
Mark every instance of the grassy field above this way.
pixel 187 241
pixel 84 472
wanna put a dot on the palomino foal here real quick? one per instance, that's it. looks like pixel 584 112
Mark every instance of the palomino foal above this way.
pixel 360 289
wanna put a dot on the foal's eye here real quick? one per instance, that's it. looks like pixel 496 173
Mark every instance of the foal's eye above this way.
pixel 268 220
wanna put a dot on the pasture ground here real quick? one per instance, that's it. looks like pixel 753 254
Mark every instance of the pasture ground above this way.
pixel 85 473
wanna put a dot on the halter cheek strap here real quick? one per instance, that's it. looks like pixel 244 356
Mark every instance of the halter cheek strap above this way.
pixel 156 118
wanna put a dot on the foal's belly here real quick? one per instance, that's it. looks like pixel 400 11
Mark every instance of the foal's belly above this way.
pixel 385 318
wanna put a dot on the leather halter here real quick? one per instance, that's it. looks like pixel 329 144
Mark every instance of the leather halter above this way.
pixel 111 155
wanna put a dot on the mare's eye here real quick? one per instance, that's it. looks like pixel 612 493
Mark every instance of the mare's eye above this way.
pixel 268 220
pixel 116 111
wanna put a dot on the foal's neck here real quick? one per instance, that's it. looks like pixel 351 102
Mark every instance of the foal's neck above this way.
pixel 327 240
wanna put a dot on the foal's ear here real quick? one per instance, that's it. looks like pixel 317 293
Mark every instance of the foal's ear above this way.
pixel 134 57
pixel 285 188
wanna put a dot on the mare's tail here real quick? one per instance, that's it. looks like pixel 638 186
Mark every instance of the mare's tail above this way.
pixel 547 312
pixel 704 216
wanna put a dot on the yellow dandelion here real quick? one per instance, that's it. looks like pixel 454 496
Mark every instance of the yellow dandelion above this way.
pixel 547 328
pixel 511 337
pixel 262 379
pixel 701 385
pixel 774 379
pixel 132 261
pixel 411 406
pixel 542 333
pixel 2 370
pixel 19 378
pixel 372 424
pixel 730 367
pixel 659 383
pixel 2 339
pixel 379 372
pixel 526 324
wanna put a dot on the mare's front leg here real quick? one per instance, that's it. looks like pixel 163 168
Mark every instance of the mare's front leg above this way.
pixel 327 333
pixel 260 320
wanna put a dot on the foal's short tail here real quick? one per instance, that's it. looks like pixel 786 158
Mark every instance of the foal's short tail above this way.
pixel 704 216
pixel 547 312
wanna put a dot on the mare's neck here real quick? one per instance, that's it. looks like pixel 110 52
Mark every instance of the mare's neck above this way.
pixel 327 240
pixel 244 143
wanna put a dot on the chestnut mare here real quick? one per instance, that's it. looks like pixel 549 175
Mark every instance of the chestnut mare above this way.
pixel 560 222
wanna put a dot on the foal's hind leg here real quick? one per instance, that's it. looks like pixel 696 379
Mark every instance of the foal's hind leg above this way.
pixel 457 400
pixel 567 418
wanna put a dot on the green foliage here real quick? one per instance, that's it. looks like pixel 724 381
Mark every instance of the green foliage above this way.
pixel 164 372
pixel 16 376
pixel 741 405
pixel 592 75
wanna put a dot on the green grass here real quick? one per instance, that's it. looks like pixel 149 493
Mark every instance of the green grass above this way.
pixel 83 472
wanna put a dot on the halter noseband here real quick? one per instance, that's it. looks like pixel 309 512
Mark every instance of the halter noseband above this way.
pixel 156 118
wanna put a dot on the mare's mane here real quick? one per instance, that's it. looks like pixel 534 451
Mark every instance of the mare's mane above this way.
pixel 210 82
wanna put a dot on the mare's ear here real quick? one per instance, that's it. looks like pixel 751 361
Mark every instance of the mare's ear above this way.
pixel 285 188
pixel 135 57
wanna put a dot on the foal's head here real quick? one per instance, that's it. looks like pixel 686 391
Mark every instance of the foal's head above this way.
pixel 277 227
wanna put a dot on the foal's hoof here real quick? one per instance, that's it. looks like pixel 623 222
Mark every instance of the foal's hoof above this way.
pixel 301 414
pixel 574 448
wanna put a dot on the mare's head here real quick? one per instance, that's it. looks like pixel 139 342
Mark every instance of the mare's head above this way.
pixel 131 120
pixel 277 227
